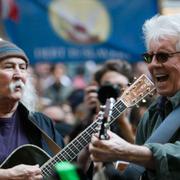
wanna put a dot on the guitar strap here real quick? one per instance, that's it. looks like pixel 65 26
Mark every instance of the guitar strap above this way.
pixel 51 144
pixel 161 135
pixel 167 128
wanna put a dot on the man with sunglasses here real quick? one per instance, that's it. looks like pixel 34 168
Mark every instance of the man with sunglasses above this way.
pixel 162 161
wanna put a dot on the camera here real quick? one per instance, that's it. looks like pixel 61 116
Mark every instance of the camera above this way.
pixel 108 91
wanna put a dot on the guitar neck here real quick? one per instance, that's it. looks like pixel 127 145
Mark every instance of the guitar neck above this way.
pixel 70 151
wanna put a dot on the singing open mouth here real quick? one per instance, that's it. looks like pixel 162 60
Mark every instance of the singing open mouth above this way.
pixel 161 77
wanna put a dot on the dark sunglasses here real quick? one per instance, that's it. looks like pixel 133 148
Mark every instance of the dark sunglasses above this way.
pixel 160 56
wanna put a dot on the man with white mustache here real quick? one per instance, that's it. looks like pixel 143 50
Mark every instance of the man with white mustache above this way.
pixel 17 100
pixel 15 85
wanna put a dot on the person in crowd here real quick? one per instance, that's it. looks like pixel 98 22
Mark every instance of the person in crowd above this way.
pixel 17 111
pixel 76 96
pixel 162 161
pixel 42 70
pixel 60 88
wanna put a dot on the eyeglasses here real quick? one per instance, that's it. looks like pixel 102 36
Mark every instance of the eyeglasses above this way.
pixel 160 56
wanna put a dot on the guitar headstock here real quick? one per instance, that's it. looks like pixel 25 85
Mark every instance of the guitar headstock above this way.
pixel 104 125
pixel 137 91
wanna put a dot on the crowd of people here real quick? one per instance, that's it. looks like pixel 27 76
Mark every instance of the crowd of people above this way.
pixel 45 97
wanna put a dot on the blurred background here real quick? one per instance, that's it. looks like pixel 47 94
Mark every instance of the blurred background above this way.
pixel 68 40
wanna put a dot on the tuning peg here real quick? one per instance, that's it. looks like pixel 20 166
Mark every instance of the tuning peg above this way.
pixel 134 79
pixel 97 129
pixel 123 89
pixel 151 94
pixel 102 107
pixel 144 101
pixel 107 126
pixel 101 114
pixel 137 105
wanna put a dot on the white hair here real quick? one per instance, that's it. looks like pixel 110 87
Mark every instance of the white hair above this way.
pixel 29 98
pixel 162 27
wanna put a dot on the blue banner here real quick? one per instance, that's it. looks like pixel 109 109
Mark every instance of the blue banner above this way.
pixel 80 30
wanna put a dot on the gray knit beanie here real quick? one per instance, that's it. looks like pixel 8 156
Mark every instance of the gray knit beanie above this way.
pixel 8 49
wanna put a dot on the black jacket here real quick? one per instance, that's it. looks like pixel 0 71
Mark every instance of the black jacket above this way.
pixel 33 133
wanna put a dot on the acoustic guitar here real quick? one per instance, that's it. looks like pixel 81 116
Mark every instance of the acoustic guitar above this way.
pixel 31 154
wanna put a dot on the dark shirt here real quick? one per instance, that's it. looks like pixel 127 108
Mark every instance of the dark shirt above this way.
pixel 167 156
pixel 12 135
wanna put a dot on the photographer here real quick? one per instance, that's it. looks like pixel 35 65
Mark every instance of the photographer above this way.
pixel 109 81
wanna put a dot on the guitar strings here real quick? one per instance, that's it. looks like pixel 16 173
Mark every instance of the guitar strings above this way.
pixel 84 138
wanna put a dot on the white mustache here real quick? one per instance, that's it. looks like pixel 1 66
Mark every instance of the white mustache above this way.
pixel 13 85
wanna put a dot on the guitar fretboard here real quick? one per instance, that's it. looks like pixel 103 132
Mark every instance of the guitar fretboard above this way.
pixel 70 151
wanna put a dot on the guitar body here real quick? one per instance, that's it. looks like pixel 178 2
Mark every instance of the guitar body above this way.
pixel 26 154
